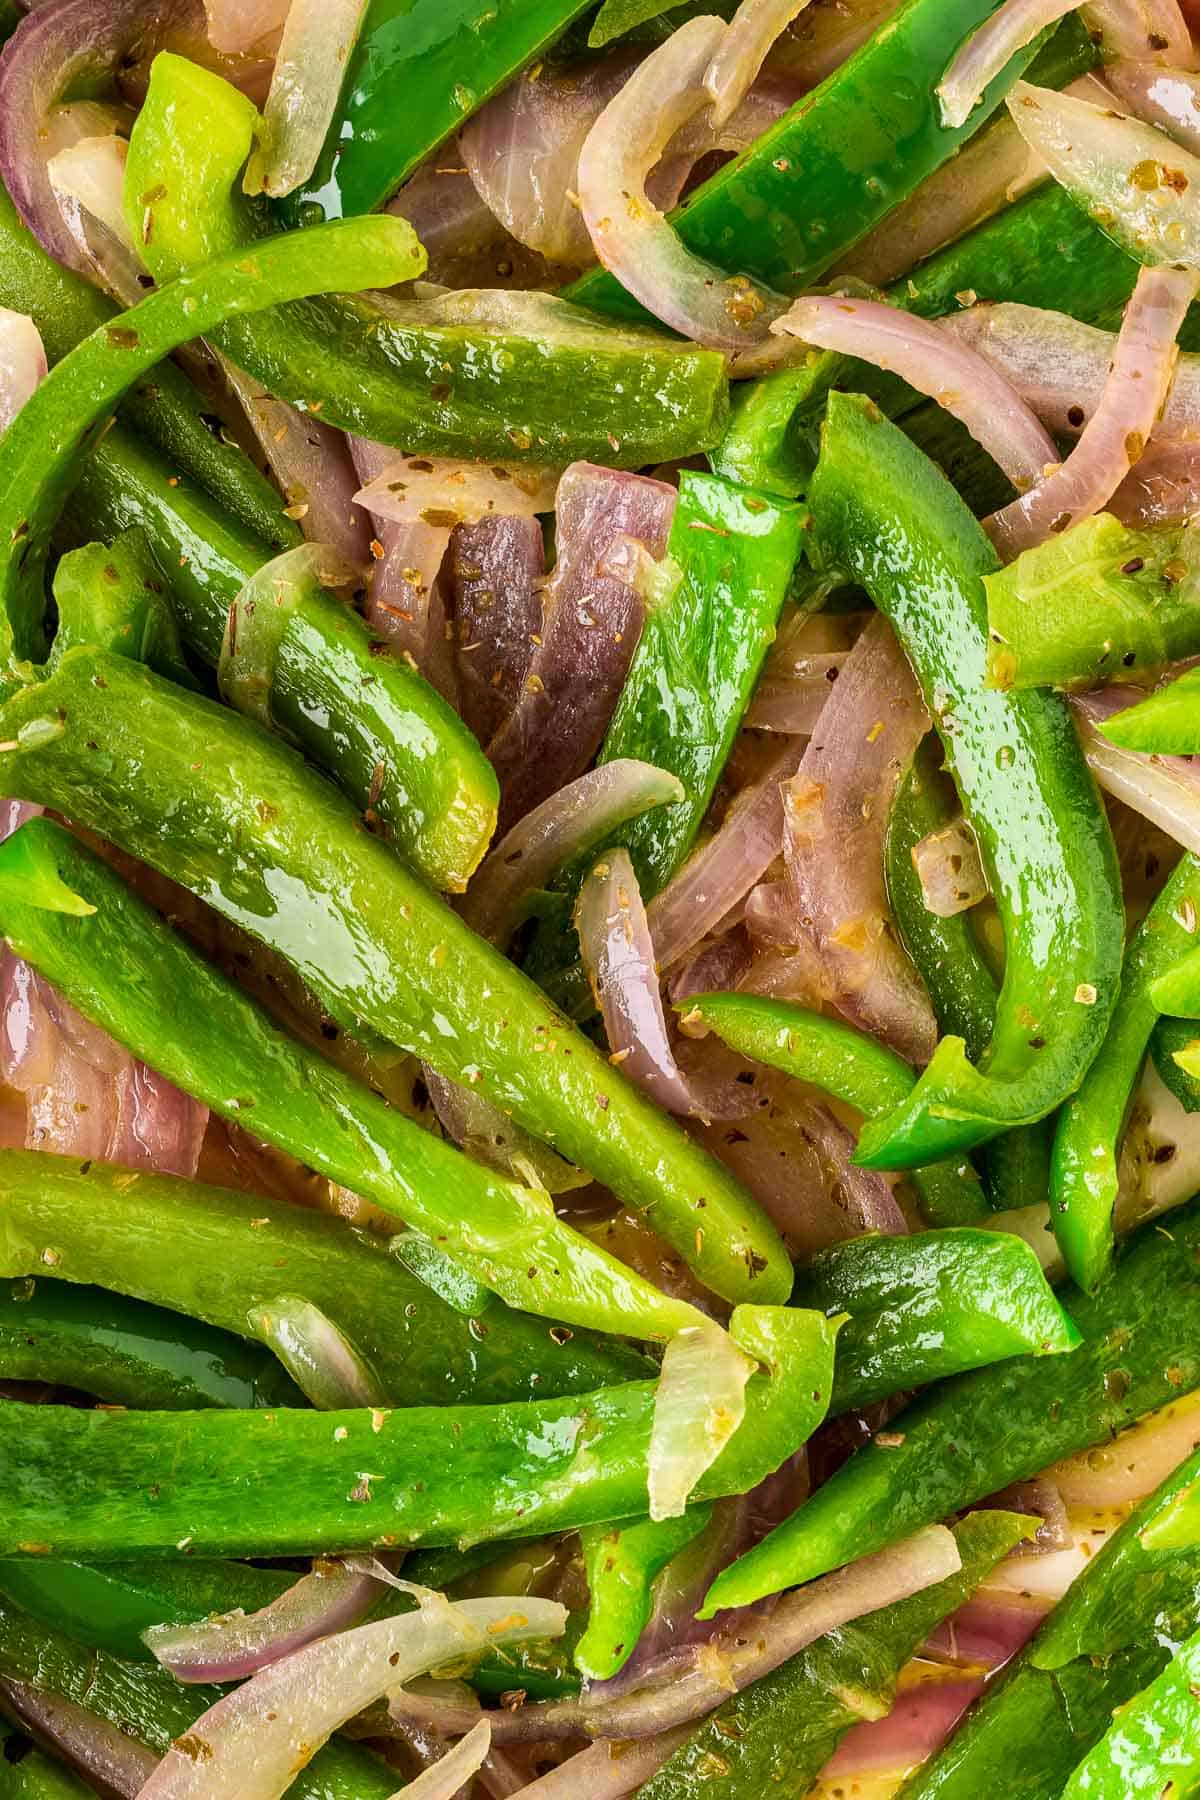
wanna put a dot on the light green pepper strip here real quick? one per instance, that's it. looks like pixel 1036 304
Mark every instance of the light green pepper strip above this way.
pixel 622 1562
pixel 845 1062
pixel 1152 1747
pixel 48 439
pixel 1083 1167
pixel 1166 723
pixel 126 969
pixel 209 799
pixel 112 595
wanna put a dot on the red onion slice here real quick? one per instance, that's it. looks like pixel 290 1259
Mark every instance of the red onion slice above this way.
pixel 957 378
pixel 949 869
pixel 491 1137
pixel 631 237
pixel 88 179
pixel 918 1724
pixel 1140 28
pixel 1163 488
pixel 495 572
pixel 607 1771
pixel 720 874
pixel 234 1645
pixel 1164 789
pixel 22 363
pixel 113 1762
pixel 321 1360
pixel 591 623
pixel 237 25
pixel 451 1775
pixel 740 55
pixel 251 1744
pixel 1117 433
pixel 986 53
pixel 1166 98
pixel 1137 1460
pixel 699 1403
pixel 55 50
pixel 404 598
pixel 565 826
pixel 836 809
pixel 985 1632
pixel 310 66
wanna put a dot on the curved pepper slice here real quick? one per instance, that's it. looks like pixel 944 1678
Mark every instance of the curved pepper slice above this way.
pixel 206 796
pixel 120 1485
pixel 621 1562
pixel 845 1062
pixel 884 513
pixel 60 422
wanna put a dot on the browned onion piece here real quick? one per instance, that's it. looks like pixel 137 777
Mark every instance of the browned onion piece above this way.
pixel 589 631
pixel 1039 1498
pixel 494 571
pixel 1120 428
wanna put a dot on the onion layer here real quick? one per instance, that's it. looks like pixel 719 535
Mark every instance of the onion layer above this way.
pixel 1164 789
pixel 699 1403
pixel 235 1645
pixel 310 66
pixel 986 53
pixel 22 363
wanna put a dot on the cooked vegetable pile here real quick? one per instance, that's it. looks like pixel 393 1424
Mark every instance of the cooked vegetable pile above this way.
pixel 599 899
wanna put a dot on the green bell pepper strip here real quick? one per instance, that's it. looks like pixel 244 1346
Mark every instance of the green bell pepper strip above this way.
pixel 1083 1170
pixel 845 1062
pixel 1173 1038
pixel 115 1485
pixel 1099 601
pixel 1165 723
pixel 778 1734
pixel 47 440
pixel 130 1354
pixel 1016 1165
pixel 437 377
pixel 1153 1744
pixel 884 512
pixel 124 967
pixel 925 1307
pixel 837 162
pixel 163 407
pixel 206 797
pixel 386 736
pixel 622 1562
pixel 112 595
pixel 147 1703
pixel 972 1436
pixel 217 1255
pixel 1111 1634
pixel 30 1775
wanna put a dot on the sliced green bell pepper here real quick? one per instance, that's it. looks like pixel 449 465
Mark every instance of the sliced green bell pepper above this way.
pixel 1165 723
pixel 974 1435
pixel 130 1354
pixel 621 1563
pixel 434 377
pixel 46 442
pixel 883 512
pixel 206 797
pixel 113 596
pixel 1083 1170
pixel 114 1485
pixel 124 967
pixel 845 1062
pixel 217 1255
pixel 1155 1735
pixel 1174 1038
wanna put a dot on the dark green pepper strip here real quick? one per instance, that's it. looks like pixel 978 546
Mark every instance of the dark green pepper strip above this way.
pixel 1165 723
pixel 818 180
pixel 884 512
pixel 449 57
pixel 1016 1165
pixel 237 817
pixel 622 1562
pixel 47 440
pixel 130 1354
pixel 124 967
pixel 845 1062
pixel 439 377
pixel 1083 1173
pixel 112 595
pixel 1173 1038
pixel 925 1307
pixel 217 1255
pixel 386 736
pixel 974 1435
pixel 164 406
pixel 1155 1735
pixel 147 1703
pixel 777 1735
pixel 1098 601
pixel 114 1485
pixel 1112 1632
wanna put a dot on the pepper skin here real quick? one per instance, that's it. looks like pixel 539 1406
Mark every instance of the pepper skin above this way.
pixel 217 1255
pixel 48 438
pixel 206 797
pixel 124 967
pixel 974 1435
pixel 887 516
pixel 621 1562
pixel 1083 1172
pixel 114 1485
